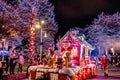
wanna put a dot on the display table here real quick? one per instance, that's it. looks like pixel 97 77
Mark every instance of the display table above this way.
pixel 77 72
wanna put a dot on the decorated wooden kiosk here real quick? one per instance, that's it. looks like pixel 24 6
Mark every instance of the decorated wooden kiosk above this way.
pixel 73 62
pixel 76 45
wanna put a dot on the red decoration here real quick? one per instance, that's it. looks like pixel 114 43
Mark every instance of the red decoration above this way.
pixel 69 37
pixel 75 77
pixel 32 35
pixel 62 49
pixel 51 49
pixel 33 74
pixel 79 76
pixel 62 77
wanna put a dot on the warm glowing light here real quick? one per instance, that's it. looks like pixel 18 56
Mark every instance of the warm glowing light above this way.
pixel 112 49
pixel 3 39
pixel 42 22
pixel 45 35
pixel 37 26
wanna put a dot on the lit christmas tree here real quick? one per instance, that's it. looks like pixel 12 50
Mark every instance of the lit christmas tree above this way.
pixel 17 14
pixel 104 31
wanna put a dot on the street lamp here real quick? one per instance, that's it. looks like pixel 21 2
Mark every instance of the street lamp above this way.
pixel 40 25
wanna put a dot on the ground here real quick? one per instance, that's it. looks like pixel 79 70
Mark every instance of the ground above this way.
pixel 114 74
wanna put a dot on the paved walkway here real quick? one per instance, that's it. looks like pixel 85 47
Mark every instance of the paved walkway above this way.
pixel 114 74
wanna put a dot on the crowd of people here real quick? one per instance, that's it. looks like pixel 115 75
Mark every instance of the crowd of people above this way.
pixel 9 62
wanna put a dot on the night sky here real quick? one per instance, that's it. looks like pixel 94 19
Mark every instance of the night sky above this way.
pixel 78 13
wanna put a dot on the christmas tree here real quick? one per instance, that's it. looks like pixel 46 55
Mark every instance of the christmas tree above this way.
pixel 104 31
pixel 17 14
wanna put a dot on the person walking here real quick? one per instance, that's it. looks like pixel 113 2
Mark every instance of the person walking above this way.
pixel 104 62
pixel 21 62
pixel 13 58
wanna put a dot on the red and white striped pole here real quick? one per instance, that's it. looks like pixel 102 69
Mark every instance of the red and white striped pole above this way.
pixel 32 36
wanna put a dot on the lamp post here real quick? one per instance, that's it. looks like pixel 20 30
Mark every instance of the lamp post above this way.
pixel 40 25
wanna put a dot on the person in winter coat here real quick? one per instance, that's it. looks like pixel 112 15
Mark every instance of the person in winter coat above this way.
pixel 21 62
pixel 13 62
pixel 104 62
